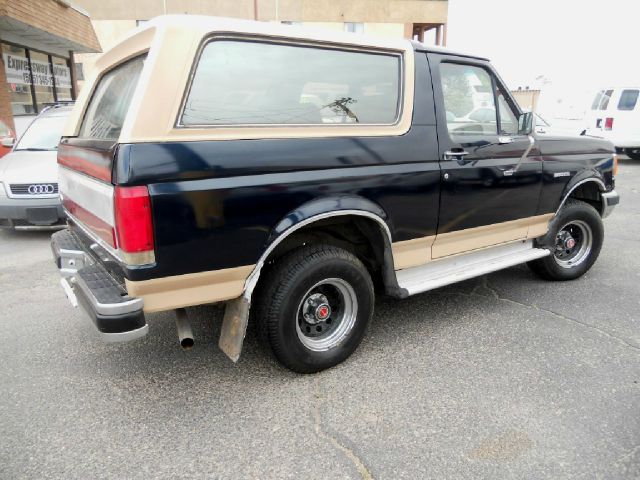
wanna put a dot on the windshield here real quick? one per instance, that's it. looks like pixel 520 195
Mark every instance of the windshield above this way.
pixel 43 134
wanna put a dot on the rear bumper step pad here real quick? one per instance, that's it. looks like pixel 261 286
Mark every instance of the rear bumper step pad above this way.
pixel 117 316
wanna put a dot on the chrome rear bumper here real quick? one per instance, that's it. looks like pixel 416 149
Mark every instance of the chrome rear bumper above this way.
pixel 117 316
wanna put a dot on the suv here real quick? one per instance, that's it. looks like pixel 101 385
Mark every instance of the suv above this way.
pixel 29 174
pixel 615 115
pixel 195 169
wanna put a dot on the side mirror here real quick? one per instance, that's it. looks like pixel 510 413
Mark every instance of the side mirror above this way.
pixel 525 123
pixel 8 142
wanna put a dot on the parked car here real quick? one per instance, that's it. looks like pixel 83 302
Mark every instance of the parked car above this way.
pixel 7 139
pixel 213 178
pixel 29 174
pixel 615 115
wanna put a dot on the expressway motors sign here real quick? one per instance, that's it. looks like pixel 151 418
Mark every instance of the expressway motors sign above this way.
pixel 18 72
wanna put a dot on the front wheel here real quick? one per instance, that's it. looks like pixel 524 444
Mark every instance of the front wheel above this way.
pixel 575 235
pixel 314 308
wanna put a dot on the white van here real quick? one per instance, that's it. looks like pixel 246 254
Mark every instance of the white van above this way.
pixel 615 115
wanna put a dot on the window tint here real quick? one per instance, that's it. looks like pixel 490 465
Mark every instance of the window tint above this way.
pixel 468 100
pixel 601 102
pixel 628 100
pixel 240 82
pixel 110 102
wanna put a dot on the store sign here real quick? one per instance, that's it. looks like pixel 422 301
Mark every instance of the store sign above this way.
pixel 62 75
pixel 17 70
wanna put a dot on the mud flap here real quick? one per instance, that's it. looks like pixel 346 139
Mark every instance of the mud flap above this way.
pixel 234 327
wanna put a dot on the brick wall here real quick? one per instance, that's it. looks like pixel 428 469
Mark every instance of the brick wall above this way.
pixel 53 17
pixel 5 99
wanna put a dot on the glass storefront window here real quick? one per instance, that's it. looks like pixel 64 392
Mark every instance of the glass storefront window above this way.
pixel 42 79
pixel 30 73
pixel 62 76
pixel 18 79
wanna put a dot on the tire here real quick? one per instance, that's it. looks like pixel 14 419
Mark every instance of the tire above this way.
pixel 314 307
pixel 632 153
pixel 578 221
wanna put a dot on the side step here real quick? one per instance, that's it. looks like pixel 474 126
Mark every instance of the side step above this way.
pixel 439 273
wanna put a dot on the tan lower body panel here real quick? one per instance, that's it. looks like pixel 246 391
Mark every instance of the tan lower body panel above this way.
pixel 412 253
pixel 418 251
pixel 191 289
pixel 179 291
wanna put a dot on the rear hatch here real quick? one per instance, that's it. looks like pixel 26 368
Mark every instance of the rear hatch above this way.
pixel 118 218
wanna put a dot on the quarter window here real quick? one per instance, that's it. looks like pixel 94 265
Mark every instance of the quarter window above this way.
pixel 508 120
pixel 252 83
pixel 601 102
pixel 628 100
pixel 110 102
pixel 468 100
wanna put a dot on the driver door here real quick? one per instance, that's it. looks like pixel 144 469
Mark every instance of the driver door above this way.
pixel 491 174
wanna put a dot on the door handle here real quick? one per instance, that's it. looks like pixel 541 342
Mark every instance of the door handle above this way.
pixel 451 155
pixel 504 140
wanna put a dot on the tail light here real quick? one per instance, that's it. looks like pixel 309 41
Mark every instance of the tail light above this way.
pixel 608 123
pixel 134 225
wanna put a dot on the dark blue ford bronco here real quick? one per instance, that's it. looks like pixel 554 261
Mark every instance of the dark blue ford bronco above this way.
pixel 293 174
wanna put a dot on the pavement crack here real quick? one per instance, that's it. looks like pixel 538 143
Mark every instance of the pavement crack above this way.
pixel 495 294
pixel 322 433
pixel 590 326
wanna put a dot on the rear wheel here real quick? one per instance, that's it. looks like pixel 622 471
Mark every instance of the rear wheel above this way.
pixel 576 235
pixel 314 308
pixel 632 153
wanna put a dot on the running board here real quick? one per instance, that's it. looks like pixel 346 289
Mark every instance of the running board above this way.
pixel 439 273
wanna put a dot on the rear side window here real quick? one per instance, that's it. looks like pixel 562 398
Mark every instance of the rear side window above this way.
pixel 628 100
pixel 108 107
pixel 242 82
pixel 601 102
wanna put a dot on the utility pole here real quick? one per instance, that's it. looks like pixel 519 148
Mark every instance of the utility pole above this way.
pixel 255 9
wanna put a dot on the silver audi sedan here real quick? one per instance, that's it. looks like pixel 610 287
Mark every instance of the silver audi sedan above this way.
pixel 29 174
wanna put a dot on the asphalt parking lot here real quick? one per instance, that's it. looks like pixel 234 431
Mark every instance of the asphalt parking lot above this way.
pixel 505 376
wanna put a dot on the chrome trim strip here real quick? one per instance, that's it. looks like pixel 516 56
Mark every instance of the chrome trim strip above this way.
pixel 94 195
pixel 124 336
pixel 581 182
pixel 252 280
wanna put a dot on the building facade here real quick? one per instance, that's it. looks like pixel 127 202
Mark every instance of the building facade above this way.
pixel 38 40
pixel 425 20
